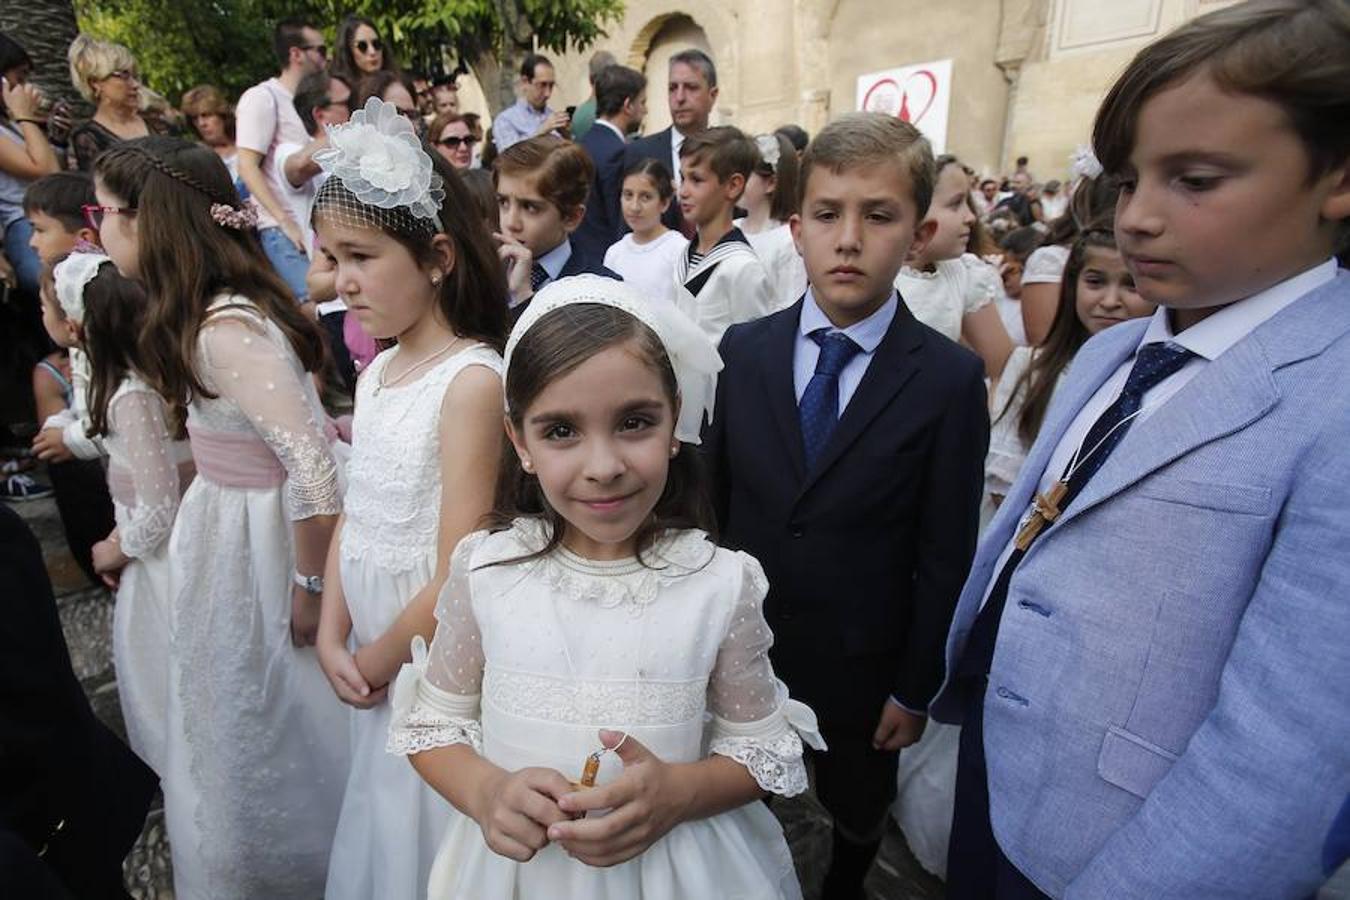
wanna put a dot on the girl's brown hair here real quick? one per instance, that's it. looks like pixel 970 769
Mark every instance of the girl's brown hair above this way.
pixel 784 175
pixel 562 170
pixel 1067 334
pixel 1294 53
pixel 114 311
pixel 554 346
pixel 186 260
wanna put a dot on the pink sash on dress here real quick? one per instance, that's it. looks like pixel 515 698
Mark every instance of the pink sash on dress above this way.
pixel 238 459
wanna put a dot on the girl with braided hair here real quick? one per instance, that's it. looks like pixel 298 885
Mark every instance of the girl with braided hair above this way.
pixel 256 746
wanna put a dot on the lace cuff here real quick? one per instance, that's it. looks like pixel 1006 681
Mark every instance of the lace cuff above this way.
pixel 424 716
pixel 771 748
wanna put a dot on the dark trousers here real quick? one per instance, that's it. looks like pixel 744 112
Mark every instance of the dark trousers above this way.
pixel 976 866
pixel 337 346
pixel 85 507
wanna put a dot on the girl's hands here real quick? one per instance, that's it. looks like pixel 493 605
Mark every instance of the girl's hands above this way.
pixel 345 676
pixel 515 810
pixel 109 560
pixel 645 802
pixel 304 616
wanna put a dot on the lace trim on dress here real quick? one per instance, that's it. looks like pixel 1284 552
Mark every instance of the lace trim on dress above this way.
pixel 423 716
pixel 776 764
pixel 147 526
pixel 634 703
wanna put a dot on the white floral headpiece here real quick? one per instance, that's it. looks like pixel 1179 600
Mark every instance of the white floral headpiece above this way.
pixel 71 275
pixel 692 353
pixel 769 150
pixel 1083 163
pixel 378 158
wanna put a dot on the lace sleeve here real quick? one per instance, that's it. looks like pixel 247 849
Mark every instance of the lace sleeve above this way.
pixel 144 447
pixel 436 695
pixel 754 721
pixel 248 368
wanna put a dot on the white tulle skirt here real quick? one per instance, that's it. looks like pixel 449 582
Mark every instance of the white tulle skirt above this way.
pixel 392 822
pixel 141 653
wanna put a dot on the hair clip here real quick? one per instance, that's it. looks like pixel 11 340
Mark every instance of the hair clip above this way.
pixel 236 217
pixel 769 150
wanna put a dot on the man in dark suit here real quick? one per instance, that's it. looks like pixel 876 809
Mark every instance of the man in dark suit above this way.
pixel 692 93
pixel 73 797
pixel 847 453
pixel 621 105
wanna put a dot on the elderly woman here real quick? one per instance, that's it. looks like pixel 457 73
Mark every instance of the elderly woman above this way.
pixel 360 52
pixel 212 117
pixel 454 138
pixel 105 74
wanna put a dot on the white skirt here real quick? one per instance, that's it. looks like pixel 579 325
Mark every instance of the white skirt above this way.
pixel 391 821
pixel 141 653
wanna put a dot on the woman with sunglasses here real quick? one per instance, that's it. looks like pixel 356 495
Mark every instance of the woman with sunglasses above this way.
pixel 454 138
pixel 360 51
pixel 105 74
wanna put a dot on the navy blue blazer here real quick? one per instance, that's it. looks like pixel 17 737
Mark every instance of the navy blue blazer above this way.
pixel 865 553
pixel 581 262
pixel 657 147
pixel 603 223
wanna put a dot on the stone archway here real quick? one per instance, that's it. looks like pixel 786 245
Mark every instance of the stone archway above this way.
pixel 662 27
pixel 661 39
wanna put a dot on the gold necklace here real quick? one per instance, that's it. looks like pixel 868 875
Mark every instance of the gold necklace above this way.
pixel 380 384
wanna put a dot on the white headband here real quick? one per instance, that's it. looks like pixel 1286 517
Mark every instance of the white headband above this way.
pixel 71 276
pixel 692 354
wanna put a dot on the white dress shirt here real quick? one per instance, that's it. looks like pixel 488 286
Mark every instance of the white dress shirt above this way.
pixel 1206 339
pixel 676 141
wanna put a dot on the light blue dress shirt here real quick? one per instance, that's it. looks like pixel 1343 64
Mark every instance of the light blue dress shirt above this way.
pixel 516 123
pixel 867 334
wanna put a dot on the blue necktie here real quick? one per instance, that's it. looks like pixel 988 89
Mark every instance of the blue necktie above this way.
pixel 819 407
pixel 538 276
pixel 1152 364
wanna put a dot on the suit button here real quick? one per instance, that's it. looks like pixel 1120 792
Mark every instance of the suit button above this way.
pixel 796 531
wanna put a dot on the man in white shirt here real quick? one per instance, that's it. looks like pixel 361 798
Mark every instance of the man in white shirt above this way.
pixel 265 118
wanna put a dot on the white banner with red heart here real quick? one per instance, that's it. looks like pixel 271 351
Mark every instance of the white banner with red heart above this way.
pixel 920 94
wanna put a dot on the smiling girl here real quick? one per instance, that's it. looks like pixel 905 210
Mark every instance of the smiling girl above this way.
pixel 414 264
pixel 561 706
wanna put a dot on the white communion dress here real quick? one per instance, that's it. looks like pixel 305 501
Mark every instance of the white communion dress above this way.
pixel 392 821
pixel 147 471
pixel 531 659
pixel 257 741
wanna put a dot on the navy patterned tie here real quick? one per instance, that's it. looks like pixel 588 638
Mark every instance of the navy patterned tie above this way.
pixel 819 407
pixel 1152 364
pixel 538 277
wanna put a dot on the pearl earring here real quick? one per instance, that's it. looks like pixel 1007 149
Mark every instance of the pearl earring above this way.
pixel 436 279
pixel 527 465
pixel 674 450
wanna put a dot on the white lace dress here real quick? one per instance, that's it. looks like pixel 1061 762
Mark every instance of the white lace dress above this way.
pixel 257 744
pixel 392 822
pixel 531 659
pixel 955 288
pixel 145 482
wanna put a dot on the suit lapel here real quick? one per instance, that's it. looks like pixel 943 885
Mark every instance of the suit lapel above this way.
pixel 893 365
pixel 777 371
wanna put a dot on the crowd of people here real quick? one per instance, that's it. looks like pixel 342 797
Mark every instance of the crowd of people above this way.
pixel 620 482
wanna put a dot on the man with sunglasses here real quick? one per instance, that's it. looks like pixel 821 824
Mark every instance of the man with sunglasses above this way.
pixel 265 118
pixel 531 115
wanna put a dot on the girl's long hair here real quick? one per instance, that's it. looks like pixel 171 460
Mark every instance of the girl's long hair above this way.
pixel 1067 334
pixel 555 345
pixel 114 311
pixel 186 260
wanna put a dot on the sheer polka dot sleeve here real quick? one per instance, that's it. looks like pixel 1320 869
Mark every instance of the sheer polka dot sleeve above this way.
pixel 754 720
pixel 141 446
pixel 436 696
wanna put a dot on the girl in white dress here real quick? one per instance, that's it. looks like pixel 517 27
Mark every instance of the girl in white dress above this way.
pixel 769 201
pixel 586 640
pixel 645 257
pixel 427 437
pixel 145 483
pixel 948 289
pixel 255 746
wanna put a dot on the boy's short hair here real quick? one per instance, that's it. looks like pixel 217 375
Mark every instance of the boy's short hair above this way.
pixel 614 85
pixel 61 196
pixel 725 149
pixel 563 170
pixel 1294 53
pixel 311 92
pixel 871 139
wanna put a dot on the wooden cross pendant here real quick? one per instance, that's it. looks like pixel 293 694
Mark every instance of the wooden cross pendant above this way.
pixel 1046 511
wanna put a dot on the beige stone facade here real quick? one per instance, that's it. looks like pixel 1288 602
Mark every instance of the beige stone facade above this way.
pixel 1027 75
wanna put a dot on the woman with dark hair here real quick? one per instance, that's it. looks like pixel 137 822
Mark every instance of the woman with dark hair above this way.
pixel 25 155
pixel 361 52
pixel 394 88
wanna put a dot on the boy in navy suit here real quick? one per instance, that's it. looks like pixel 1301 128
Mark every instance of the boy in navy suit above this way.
pixel 1151 659
pixel 847 454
